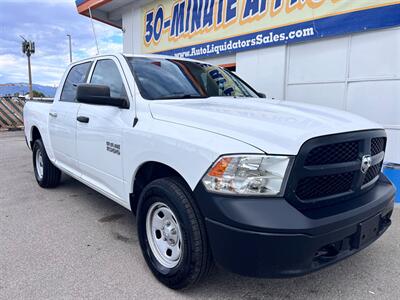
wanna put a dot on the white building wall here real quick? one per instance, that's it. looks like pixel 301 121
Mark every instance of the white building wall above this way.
pixel 132 28
pixel 128 29
pixel 264 69
pixel 316 72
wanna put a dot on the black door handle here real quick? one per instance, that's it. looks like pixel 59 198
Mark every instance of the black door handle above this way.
pixel 83 119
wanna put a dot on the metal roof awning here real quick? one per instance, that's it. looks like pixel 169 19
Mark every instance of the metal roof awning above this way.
pixel 106 11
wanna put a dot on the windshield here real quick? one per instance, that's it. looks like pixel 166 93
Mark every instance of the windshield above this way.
pixel 160 78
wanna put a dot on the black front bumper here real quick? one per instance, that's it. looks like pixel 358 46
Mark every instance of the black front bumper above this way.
pixel 266 237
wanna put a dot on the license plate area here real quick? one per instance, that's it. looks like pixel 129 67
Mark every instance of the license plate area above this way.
pixel 368 231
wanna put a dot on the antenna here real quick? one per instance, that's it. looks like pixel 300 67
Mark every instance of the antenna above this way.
pixel 94 31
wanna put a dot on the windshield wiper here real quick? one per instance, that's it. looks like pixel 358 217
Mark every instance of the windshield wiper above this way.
pixel 182 96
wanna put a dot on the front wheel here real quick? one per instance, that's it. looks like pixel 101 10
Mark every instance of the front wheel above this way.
pixel 172 234
pixel 46 174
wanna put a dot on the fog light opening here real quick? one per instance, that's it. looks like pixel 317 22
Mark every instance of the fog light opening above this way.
pixel 327 252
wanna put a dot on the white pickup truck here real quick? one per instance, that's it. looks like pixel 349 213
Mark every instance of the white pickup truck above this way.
pixel 213 170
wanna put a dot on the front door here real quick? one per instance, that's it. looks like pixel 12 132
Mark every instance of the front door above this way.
pixel 99 136
pixel 62 119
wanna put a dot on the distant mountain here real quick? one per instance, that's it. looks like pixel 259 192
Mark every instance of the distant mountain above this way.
pixel 23 88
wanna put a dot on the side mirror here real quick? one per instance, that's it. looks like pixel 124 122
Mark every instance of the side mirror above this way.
pixel 98 94
pixel 261 95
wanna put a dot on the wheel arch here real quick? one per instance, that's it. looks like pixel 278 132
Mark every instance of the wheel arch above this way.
pixel 34 135
pixel 146 173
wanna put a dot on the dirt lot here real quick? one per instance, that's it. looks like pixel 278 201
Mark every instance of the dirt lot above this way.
pixel 71 242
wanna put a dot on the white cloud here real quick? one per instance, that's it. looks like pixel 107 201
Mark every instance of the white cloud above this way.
pixel 39 1
pixel 47 22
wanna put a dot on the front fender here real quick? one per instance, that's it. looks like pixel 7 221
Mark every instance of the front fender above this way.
pixel 189 151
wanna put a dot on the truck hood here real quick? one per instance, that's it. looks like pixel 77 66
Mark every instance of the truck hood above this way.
pixel 275 127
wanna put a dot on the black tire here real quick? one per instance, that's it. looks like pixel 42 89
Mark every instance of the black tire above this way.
pixel 195 261
pixel 51 175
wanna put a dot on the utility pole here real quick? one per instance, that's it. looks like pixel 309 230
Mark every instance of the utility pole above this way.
pixel 28 48
pixel 70 47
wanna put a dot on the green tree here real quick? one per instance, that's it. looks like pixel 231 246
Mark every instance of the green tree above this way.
pixel 38 94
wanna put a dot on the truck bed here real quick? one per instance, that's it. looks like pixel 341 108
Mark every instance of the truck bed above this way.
pixel 36 113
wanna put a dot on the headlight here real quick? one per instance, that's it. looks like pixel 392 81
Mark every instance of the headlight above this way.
pixel 248 175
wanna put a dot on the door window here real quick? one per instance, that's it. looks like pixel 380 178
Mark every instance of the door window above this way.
pixel 106 73
pixel 76 75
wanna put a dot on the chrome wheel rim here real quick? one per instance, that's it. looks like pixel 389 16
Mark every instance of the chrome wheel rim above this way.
pixel 39 164
pixel 164 235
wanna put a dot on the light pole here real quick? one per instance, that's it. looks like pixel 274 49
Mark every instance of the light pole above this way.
pixel 70 47
pixel 28 48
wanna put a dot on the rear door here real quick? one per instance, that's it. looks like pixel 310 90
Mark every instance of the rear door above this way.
pixel 99 141
pixel 62 119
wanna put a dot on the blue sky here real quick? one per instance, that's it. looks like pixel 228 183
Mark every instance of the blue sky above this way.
pixel 47 22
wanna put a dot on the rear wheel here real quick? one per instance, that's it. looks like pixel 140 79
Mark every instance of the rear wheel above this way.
pixel 172 234
pixel 46 174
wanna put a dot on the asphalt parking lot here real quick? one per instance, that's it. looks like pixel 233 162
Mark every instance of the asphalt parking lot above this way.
pixel 71 242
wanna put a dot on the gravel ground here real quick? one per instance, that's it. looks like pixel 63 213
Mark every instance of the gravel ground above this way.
pixel 71 243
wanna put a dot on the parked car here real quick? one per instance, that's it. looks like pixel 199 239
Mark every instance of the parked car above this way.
pixel 213 170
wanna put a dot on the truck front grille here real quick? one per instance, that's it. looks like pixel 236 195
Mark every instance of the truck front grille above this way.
pixel 328 169
pixel 333 154
pixel 372 173
pixel 378 145
pixel 323 186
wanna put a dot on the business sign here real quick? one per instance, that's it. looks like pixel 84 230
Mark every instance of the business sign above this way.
pixel 195 28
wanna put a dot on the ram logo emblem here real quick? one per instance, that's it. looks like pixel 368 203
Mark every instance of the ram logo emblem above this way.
pixel 366 163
